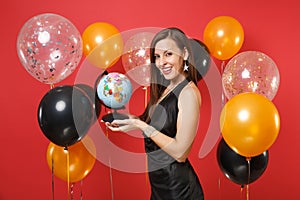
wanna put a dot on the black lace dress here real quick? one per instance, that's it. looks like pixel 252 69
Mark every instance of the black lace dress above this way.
pixel 169 179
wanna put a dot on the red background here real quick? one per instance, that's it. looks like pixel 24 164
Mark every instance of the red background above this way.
pixel 271 27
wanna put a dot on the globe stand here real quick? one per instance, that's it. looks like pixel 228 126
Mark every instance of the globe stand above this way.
pixel 114 115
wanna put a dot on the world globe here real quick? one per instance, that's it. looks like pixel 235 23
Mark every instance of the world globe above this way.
pixel 114 90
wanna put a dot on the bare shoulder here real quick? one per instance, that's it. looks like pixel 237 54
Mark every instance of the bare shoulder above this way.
pixel 190 94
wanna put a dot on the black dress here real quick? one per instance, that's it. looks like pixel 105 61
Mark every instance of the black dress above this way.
pixel 169 179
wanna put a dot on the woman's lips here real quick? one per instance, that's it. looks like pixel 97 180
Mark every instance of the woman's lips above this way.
pixel 166 70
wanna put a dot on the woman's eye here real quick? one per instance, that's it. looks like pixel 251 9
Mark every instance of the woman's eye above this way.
pixel 169 53
pixel 156 56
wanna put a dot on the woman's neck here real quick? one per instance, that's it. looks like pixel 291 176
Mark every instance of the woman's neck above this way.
pixel 176 81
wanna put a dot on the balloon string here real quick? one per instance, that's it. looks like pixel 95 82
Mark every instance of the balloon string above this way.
pixel 247 192
pixel 146 164
pixel 248 159
pixel 81 184
pixel 72 191
pixel 110 172
pixel 249 171
pixel 223 94
pixel 146 95
pixel 52 176
pixel 68 172
pixel 241 192
pixel 146 173
pixel 111 180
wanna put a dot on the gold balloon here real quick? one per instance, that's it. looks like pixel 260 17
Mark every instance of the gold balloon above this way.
pixel 75 163
pixel 102 44
pixel 249 124
pixel 224 36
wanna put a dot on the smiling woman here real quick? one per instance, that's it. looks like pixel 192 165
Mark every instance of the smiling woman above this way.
pixel 169 123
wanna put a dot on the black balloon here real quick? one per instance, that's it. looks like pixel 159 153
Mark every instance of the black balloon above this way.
pixel 202 57
pixel 65 114
pixel 236 167
pixel 92 94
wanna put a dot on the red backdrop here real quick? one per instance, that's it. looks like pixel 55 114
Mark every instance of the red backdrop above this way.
pixel 269 27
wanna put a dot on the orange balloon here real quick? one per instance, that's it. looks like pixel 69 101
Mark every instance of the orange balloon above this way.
pixel 81 160
pixel 102 44
pixel 224 37
pixel 249 124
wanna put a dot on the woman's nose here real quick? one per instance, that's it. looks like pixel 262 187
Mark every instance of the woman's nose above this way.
pixel 161 61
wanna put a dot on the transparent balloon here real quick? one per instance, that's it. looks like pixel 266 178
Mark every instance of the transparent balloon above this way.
pixel 49 46
pixel 136 59
pixel 251 71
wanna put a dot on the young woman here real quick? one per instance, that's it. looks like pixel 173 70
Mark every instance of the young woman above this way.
pixel 170 120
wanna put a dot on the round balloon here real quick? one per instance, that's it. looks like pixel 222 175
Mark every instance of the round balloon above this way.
pixel 114 90
pixel 249 124
pixel 224 36
pixel 74 163
pixel 239 169
pixel 251 71
pixel 92 94
pixel 49 46
pixel 136 59
pixel 102 44
pixel 65 114
pixel 202 58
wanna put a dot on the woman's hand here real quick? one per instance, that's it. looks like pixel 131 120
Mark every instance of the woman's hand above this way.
pixel 125 125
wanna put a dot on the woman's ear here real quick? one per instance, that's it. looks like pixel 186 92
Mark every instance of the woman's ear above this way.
pixel 185 53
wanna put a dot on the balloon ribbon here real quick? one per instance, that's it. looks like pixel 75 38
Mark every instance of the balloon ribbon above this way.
pixel 146 101
pixel 52 176
pixel 146 95
pixel 68 172
pixel 247 186
pixel 110 172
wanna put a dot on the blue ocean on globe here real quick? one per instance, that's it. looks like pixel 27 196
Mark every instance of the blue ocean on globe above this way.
pixel 114 90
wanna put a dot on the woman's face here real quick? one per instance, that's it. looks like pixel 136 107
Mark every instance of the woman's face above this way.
pixel 168 58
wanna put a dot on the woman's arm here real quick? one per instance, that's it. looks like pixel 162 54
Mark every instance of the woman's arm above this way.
pixel 187 122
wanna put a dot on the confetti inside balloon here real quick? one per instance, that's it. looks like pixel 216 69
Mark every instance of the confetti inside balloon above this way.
pixel 114 90
pixel 251 71
pixel 136 59
pixel 49 47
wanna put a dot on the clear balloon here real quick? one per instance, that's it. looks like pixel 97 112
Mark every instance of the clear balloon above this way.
pixel 72 164
pixel 249 124
pixel 224 36
pixel 102 44
pixel 251 71
pixel 49 46
pixel 136 59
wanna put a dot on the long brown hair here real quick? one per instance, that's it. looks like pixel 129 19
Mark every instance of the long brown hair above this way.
pixel 157 81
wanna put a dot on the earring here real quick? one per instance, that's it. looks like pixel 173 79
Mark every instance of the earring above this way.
pixel 186 66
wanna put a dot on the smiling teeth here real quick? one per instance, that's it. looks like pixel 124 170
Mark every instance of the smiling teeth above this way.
pixel 166 69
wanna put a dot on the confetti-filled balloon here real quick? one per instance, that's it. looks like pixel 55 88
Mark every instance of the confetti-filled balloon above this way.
pixel 251 71
pixel 49 46
pixel 136 59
